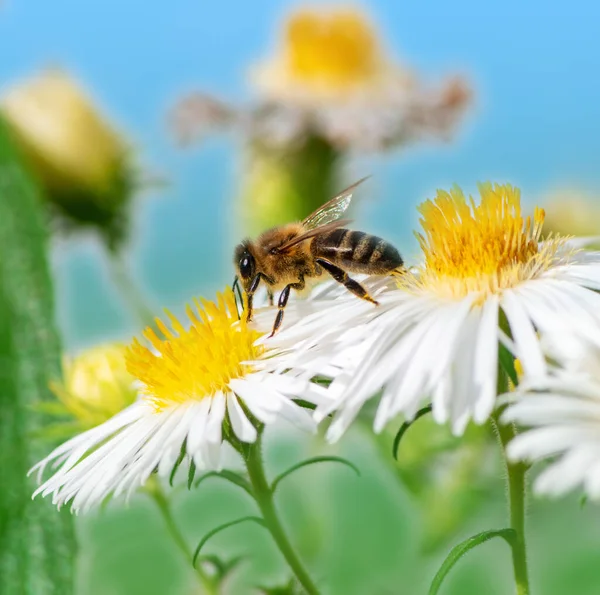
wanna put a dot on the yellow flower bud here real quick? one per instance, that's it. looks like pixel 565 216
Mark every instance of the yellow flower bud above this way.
pixel 572 213
pixel 80 161
pixel 96 385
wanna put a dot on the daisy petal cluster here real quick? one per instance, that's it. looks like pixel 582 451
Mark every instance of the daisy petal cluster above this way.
pixel 197 382
pixel 562 414
pixel 485 281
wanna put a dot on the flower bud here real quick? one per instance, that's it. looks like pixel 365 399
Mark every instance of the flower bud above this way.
pixel 81 162
pixel 96 385
pixel 572 213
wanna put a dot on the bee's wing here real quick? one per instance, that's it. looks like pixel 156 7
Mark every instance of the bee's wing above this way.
pixel 311 233
pixel 332 210
pixel 325 218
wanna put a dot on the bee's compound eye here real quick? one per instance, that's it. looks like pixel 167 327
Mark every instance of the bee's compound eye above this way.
pixel 246 266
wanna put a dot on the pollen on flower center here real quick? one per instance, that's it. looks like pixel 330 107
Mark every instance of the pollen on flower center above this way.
pixel 483 247
pixel 338 47
pixel 197 362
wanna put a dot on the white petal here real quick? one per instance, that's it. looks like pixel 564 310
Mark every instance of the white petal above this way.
pixel 242 427
pixel 527 344
pixel 486 361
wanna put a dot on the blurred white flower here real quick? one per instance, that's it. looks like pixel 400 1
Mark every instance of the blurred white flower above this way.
pixel 330 77
pixel 435 334
pixel 562 414
pixel 197 386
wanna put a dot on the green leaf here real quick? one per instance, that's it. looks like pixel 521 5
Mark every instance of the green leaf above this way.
pixel 37 543
pixel 231 476
pixel 405 427
pixel 222 527
pixel 312 461
pixel 464 547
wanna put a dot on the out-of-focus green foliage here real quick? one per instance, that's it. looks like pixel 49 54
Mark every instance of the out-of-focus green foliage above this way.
pixel 449 478
pixel 37 546
pixel 358 535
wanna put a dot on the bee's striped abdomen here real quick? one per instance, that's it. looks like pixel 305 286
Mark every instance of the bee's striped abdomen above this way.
pixel 357 251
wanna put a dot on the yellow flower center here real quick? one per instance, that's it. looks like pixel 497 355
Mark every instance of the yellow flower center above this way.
pixel 337 48
pixel 96 385
pixel 479 248
pixel 197 362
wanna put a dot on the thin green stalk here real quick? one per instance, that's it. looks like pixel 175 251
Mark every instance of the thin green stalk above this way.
pixel 515 473
pixel 264 498
pixel 132 296
pixel 155 491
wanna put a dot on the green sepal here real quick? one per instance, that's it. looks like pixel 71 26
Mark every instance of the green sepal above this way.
pixel 220 528
pixel 191 474
pixel 305 404
pixel 458 551
pixel 57 431
pixel 50 408
pixel 177 464
pixel 405 426
pixel 312 461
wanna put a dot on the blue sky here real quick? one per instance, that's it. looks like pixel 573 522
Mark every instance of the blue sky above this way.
pixel 535 67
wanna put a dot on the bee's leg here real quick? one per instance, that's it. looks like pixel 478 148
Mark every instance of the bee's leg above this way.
pixel 283 300
pixel 341 276
pixel 251 291
pixel 270 296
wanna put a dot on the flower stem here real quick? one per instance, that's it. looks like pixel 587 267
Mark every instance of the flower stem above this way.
pixel 516 497
pixel 155 491
pixel 264 498
pixel 132 296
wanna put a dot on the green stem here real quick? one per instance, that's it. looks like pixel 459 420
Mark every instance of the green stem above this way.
pixel 155 491
pixel 516 497
pixel 264 498
pixel 132 296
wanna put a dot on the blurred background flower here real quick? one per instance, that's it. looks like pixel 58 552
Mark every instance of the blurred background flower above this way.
pixel 572 212
pixel 329 89
pixel 95 386
pixel 84 166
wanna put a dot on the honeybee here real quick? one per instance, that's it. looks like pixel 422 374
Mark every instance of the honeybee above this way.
pixel 284 257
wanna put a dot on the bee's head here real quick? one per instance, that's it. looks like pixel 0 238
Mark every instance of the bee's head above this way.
pixel 245 264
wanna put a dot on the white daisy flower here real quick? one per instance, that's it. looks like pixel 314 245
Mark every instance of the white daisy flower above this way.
pixel 562 411
pixel 191 382
pixel 486 279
